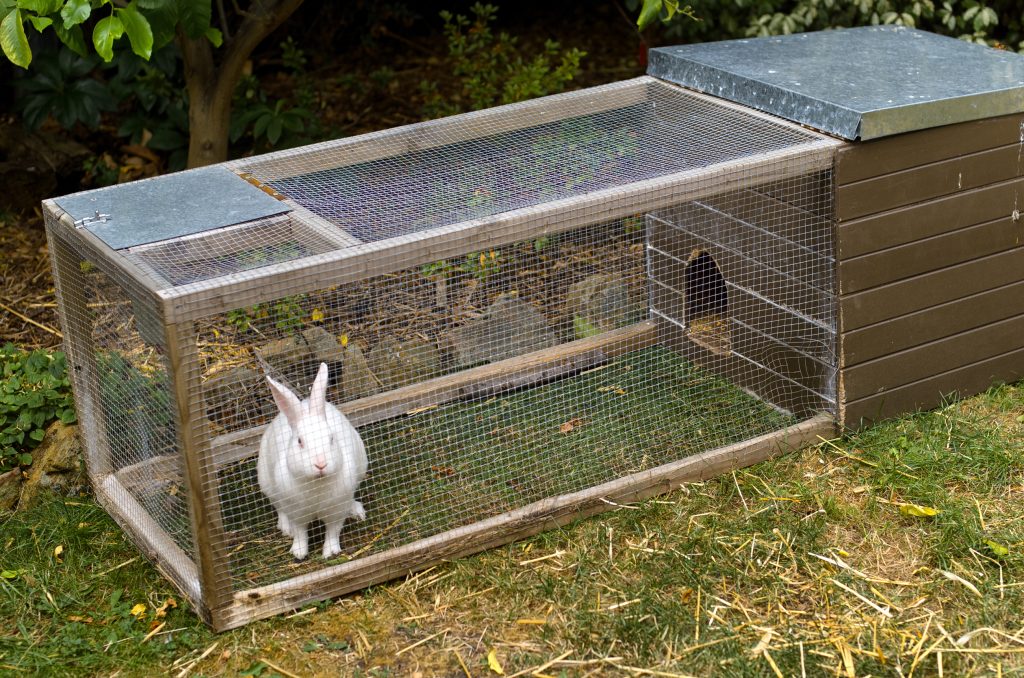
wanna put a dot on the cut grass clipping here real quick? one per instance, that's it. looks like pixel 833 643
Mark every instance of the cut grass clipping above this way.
pixel 816 563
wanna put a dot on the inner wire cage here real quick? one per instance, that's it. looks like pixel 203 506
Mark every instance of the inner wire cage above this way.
pixel 524 313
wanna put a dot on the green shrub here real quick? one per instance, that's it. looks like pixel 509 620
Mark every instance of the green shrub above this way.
pixel 34 392
pixel 492 69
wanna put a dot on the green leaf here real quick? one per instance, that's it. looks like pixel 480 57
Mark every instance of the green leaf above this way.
pixel 13 40
pixel 648 13
pixel 214 36
pixel 25 459
pixel 37 434
pixel 40 22
pixel 75 12
pixel 916 511
pixel 106 32
pixel 997 549
pixel 41 7
pixel 9 574
pixel 140 35
pixel 194 16
pixel 72 37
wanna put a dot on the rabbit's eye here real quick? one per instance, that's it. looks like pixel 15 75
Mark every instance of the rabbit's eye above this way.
pixel 301 444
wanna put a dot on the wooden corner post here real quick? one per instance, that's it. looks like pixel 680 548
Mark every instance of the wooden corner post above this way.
pixel 200 472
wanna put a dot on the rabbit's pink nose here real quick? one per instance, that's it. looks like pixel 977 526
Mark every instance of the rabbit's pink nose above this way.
pixel 320 463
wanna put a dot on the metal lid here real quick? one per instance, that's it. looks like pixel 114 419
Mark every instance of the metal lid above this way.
pixel 170 206
pixel 857 83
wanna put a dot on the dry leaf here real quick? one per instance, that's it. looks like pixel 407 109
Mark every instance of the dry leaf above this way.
pixel 568 426
pixel 57 551
pixel 493 664
pixel 918 511
pixel 997 549
pixel 162 610
pixel 442 471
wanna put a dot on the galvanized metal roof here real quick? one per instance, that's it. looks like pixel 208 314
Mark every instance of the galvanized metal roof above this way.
pixel 174 205
pixel 857 83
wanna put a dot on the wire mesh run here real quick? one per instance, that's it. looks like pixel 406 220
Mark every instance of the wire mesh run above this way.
pixel 460 327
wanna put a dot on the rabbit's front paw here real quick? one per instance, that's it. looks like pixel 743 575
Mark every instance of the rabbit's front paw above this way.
pixel 300 546
pixel 284 525
pixel 358 512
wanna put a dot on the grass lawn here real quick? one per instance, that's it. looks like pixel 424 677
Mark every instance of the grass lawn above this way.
pixel 824 562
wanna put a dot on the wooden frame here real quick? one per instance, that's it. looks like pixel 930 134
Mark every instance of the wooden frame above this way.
pixel 259 603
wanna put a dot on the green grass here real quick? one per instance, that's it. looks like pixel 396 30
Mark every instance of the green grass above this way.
pixel 463 462
pixel 735 576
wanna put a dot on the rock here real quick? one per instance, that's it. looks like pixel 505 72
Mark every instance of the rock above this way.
pixel 510 327
pixel 324 346
pixel 236 393
pixel 10 489
pixel 291 360
pixel 356 379
pixel 396 363
pixel 600 303
pixel 57 465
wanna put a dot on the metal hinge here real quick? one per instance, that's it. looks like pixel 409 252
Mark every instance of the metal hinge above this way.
pixel 94 219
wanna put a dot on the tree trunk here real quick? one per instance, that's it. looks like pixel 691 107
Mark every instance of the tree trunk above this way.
pixel 209 121
pixel 211 85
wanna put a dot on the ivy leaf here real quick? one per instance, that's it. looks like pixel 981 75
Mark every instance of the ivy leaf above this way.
pixel 916 511
pixel 75 12
pixel 13 40
pixel 106 32
pixel 648 13
pixel 194 16
pixel 583 327
pixel 140 35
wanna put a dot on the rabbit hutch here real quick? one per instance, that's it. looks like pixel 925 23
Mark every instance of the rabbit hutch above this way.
pixel 537 312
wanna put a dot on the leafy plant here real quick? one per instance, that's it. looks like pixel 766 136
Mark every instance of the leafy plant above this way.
pixel 63 87
pixel 490 68
pixel 477 264
pixel 149 25
pixel 34 392
pixel 286 314
pixel 281 122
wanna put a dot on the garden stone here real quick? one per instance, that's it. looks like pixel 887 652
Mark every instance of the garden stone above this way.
pixel 324 346
pixel 10 489
pixel 240 390
pixel 56 465
pixel 509 327
pixel 600 303
pixel 356 379
pixel 291 360
pixel 396 363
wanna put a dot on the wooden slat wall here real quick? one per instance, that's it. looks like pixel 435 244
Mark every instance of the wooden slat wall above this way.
pixel 930 263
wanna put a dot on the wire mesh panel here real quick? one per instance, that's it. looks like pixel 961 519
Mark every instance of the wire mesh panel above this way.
pixel 470 328
pixel 122 382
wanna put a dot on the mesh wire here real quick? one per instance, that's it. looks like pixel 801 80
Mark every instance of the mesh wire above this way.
pixel 607 341
pixel 121 380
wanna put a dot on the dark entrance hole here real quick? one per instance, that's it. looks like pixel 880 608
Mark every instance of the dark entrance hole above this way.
pixel 707 304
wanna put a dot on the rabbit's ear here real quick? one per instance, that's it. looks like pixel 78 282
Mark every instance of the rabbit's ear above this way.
pixel 287 402
pixel 318 394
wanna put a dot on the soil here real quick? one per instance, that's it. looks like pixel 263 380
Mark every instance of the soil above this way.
pixel 369 80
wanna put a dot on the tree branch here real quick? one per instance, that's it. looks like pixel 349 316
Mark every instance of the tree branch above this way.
pixel 261 19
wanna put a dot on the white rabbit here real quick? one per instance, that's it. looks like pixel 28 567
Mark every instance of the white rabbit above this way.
pixel 311 463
